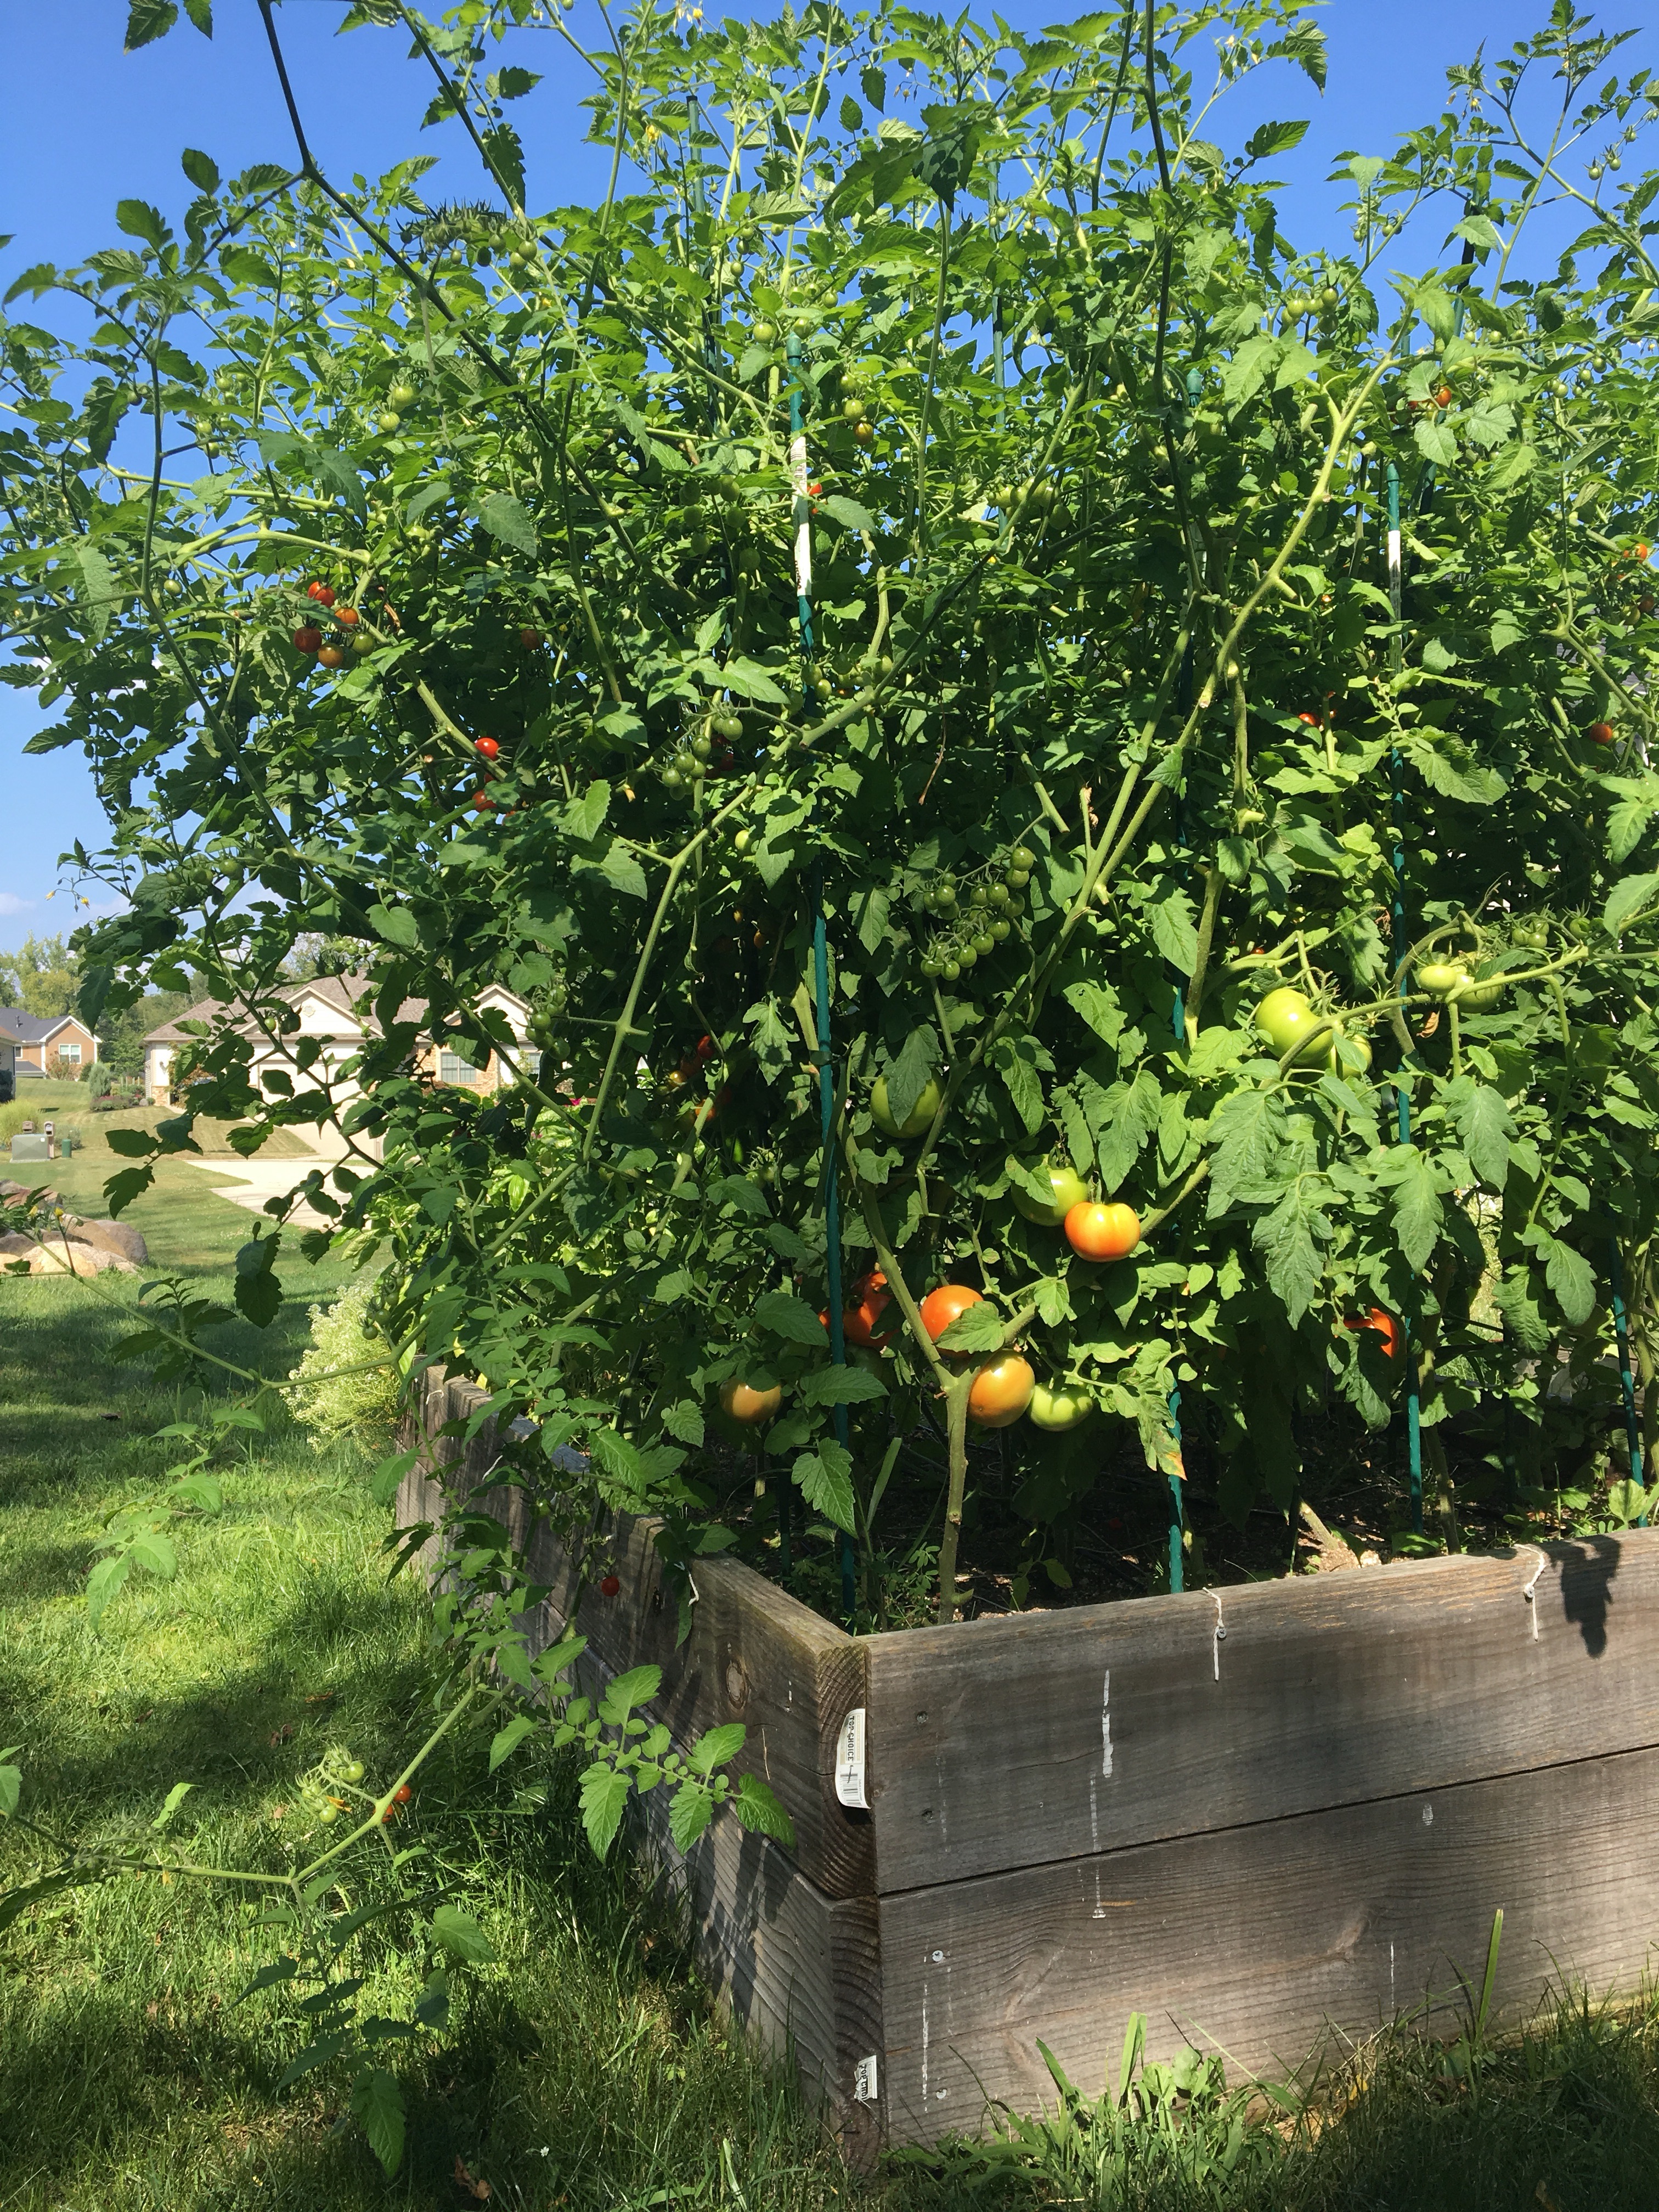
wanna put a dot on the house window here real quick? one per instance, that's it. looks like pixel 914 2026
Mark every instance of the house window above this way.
pixel 452 1069
pixel 71 1054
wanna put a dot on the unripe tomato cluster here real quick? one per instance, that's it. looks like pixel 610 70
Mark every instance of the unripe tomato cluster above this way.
pixel 1289 1023
pixel 978 913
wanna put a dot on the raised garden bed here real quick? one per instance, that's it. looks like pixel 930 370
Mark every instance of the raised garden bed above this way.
pixel 1266 1817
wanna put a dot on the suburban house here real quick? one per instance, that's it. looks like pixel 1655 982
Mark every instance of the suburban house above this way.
pixel 46 1044
pixel 7 1061
pixel 338 1011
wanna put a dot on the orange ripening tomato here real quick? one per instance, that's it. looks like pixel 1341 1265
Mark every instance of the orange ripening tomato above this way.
pixel 1001 1391
pixel 940 1307
pixel 1385 1325
pixel 1102 1232
pixel 1312 720
pixel 859 1325
pixel 348 616
pixel 749 1405
pixel 330 656
pixel 1602 734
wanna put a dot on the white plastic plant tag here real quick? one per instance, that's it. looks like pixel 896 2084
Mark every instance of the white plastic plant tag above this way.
pixel 850 1762
pixel 864 2081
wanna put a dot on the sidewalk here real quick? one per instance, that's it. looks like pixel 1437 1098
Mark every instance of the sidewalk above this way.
pixel 251 1182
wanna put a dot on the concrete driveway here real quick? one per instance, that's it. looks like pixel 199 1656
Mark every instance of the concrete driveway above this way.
pixel 251 1182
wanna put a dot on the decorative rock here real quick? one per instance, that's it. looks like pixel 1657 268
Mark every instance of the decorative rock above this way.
pixel 13 1248
pixel 10 1190
pixel 73 1259
pixel 112 1237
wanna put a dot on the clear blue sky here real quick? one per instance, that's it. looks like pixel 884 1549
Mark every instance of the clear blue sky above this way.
pixel 83 125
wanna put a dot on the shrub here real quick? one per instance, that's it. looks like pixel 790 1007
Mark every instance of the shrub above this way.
pixel 333 1405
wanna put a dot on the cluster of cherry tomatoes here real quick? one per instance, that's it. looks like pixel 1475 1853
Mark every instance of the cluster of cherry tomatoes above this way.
pixel 331 652
pixel 977 916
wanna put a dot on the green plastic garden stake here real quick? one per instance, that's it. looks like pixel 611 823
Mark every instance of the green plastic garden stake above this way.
pixel 1621 1331
pixel 1178 1023
pixel 803 521
pixel 1396 600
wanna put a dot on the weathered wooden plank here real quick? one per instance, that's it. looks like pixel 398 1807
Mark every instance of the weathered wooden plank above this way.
pixel 754 1654
pixel 1040 1737
pixel 1258 1941
pixel 792 1966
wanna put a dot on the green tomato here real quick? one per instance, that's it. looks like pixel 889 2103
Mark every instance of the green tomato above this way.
pixel 1440 978
pixel 401 395
pixel 353 1770
pixel 984 942
pixel 765 332
pixel 1069 1190
pixel 1478 998
pixel 1022 857
pixel 1283 1017
pixel 1059 1409
pixel 329 1814
pixel 917 1122
pixel 387 422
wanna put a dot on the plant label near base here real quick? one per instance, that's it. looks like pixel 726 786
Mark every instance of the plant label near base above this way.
pixel 850 1762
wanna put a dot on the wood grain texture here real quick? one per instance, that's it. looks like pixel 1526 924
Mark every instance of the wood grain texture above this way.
pixel 1259 1940
pixel 1040 1737
pixel 792 1966
pixel 755 1653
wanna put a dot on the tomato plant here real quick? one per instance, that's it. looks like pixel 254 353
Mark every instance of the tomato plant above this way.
pixel 965 756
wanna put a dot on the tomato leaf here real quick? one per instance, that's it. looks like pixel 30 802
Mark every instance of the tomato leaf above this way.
pixel 842 1386
pixel 603 1797
pixel 715 1746
pixel 1573 1279
pixel 1484 1123
pixel 757 1807
pixel 909 1074
pixel 378 2103
pixel 824 1479
pixel 1627 897
pixel 460 1935
pixel 636 1687
pixel 1015 1059
pixel 505 518
pixel 977 1327
pixel 506 1741
pixel 787 1317
pixel 689 1811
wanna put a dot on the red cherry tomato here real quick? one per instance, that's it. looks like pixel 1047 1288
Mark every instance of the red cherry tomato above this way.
pixel 1602 734
pixel 1102 1232
pixel 1444 397
pixel 940 1307
pixel 488 746
pixel 609 1585
pixel 402 1795
pixel 483 803
pixel 323 594
pixel 815 491
pixel 307 639
pixel 1385 1326
pixel 1312 720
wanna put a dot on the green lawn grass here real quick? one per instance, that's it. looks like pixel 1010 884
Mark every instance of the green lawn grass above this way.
pixel 586 2070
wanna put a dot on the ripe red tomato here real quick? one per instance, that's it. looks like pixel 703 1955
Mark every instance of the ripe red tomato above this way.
pixel 940 1307
pixel 1102 1232
pixel 388 1816
pixel 483 803
pixel 1602 734
pixel 402 1795
pixel 323 594
pixel 609 1585
pixel 1385 1326
pixel 307 639
pixel 749 1405
pixel 330 656
pixel 1001 1391
pixel 488 746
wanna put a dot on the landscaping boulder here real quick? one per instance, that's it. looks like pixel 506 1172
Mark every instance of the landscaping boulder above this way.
pixel 13 1248
pixel 10 1190
pixel 58 1258
pixel 112 1237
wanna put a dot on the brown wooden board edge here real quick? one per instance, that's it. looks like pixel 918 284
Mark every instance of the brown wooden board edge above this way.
pixel 755 1653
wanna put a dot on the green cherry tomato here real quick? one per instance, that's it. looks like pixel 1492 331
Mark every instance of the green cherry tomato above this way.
pixel 353 1770
pixel 967 957
pixel 919 1119
pixel 1000 930
pixel 401 395
pixel 984 942
pixel 1069 1190
pixel 952 971
pixel 329 1814
pixel 1059 1407
pixel 1022 857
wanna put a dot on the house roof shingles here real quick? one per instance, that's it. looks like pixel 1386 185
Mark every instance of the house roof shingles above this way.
pixel 19 1028
pixel 342 992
